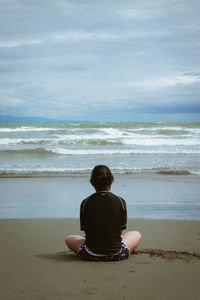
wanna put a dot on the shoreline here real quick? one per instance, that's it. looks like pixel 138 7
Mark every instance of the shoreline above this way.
pixel 35 263
pixel 151 197
pixel 159 172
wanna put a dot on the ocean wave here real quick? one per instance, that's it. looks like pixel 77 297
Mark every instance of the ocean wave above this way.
pixel 140 125
pixel 81 137
pixel 92 136
pixel 61 172
pixel 160 171
pixel 25 141
pixel 172 131
pixel 51 172
pixel 117 129
pixel 80 152
pixel 91 151
pixel 118 151
pixel 104 140
pixel 151 131
pixel 100 142
pixel 167 130
pixel 173 172
pixel 29 151
pixel 7 141
pixel 26 128
pixel 161 142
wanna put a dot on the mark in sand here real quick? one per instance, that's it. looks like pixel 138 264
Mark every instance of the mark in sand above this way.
pixel 168 254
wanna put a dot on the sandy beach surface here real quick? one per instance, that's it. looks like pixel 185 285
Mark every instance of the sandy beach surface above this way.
pixel 35 263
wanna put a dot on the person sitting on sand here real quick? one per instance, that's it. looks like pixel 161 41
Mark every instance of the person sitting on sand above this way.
pixel 103 216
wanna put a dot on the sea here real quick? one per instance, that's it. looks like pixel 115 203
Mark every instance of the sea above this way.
pixel 35 150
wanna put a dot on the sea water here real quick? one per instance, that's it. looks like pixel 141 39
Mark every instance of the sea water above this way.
pixel 59 149
pixel 157 166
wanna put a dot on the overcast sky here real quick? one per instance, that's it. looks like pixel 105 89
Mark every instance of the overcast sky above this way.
pixel 100 60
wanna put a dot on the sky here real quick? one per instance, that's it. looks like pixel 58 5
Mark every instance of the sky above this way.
pixel 89 60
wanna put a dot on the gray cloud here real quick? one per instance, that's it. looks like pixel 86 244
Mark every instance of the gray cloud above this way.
pixel 195 74
pixel 81 58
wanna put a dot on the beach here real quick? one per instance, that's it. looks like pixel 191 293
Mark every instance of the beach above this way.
pixel 156 167
pixel 44 176
pixel 35 264
pixel 113 85
pixel 37 214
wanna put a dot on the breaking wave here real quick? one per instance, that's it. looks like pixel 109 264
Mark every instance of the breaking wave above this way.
pixel 42 149
pixel 62 151
pixel 27 128
pixel 61 172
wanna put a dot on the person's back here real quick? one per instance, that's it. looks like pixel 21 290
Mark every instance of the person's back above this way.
pixel 103 216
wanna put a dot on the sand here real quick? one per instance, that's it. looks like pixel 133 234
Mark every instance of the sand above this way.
pixel 35 264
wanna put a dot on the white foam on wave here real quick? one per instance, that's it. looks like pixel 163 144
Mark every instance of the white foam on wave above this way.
pixel 7 141
pixel 80 137
pixel 132 139
pixel 152 141
pixel 63 151
pixel 43 170
pixel 24 128
pixel 166 128
pixel 19 172
pixel 114 132
pixel 88 151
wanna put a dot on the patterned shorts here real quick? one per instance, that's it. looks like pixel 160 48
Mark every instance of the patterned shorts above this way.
pixel 86 254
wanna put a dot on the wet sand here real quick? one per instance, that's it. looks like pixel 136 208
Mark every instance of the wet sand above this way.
pixel 35 264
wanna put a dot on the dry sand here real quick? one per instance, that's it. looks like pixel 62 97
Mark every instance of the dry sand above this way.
pixel 36 265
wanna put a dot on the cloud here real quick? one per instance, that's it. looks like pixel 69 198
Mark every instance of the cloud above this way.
pixel 67 36
pixel 19 43
pixel 83 36
pixel 15 102
pixel 11 103
pixel 194 74
pixel 136 13
pixel 165 81
pixel 88 59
